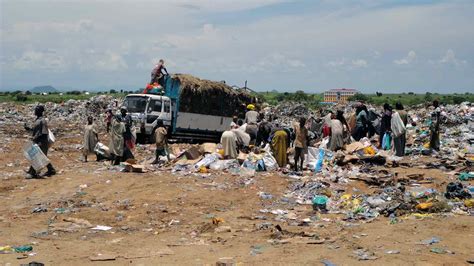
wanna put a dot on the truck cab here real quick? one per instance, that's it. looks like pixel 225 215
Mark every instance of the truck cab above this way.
pixel 146 110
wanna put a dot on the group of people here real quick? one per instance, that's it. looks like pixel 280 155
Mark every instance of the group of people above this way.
pixel 254 130
pixel 390 125
pixel 120 130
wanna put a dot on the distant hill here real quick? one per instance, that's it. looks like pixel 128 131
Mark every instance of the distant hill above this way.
pixel 41 89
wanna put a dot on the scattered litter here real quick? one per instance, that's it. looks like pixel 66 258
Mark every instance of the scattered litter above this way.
pixel 102 228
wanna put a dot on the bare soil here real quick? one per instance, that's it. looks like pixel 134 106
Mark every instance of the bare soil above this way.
pixel 164 218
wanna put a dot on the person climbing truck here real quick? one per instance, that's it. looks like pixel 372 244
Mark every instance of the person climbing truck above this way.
pixel 157 73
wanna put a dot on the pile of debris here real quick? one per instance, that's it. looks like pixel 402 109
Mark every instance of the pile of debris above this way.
pixel 218 97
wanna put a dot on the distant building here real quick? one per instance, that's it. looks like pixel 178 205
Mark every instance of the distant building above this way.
pixel 338 95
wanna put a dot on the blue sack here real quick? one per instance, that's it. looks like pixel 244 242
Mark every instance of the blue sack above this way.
pixel 387 142
pixel 319 163
pixel 260 166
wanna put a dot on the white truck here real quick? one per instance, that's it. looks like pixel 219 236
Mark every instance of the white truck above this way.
pixel 192 124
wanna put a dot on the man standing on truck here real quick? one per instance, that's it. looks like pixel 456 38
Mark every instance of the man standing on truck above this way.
pixel 157 73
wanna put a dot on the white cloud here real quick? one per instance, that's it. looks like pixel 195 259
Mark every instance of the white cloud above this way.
pixel 34 60
pixel 107 61
pixel 28 30
pixel 449 58
pixel 348 64
pixel 224 5
pixel 376 54
pixel 344 36
pixel 359 63
pixel 407 60
pixel 337 63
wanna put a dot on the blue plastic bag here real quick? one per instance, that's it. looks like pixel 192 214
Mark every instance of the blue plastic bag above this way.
pixel 260 166
pixel 386 141
pixel 319 163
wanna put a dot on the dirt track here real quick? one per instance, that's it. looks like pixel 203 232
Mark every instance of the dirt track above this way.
pixel 162 218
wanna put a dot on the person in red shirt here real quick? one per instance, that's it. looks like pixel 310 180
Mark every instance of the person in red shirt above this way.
pixel 157 73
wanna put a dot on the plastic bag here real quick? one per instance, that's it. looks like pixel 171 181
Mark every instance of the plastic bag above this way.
pixel 246 172
pixel 206 161
pixel 386 142
pixel 224 164
pixel 249 164
pixel 51 138
pixel 319 162
pixel 261 166
pixel 102 150
pixel 34 154
pixel 312 157
pixel 270 162
pixel 324 143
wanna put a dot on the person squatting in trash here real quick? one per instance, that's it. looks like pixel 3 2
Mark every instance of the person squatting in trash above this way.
pixel 264 130
pixel 40 137
pixel 161 141
pixel 301 142
pixel 91 137
pixel 229 143
pixel 233 124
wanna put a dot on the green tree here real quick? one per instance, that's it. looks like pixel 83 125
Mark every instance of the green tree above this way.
pixel 21 98
pixel 457 99
pixel 428 97
pixel 300 96
pixel 359 97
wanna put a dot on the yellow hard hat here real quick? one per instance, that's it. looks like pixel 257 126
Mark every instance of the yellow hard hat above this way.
pixel 250 106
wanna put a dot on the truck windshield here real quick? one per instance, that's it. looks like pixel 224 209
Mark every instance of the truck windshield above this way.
pixel 135 104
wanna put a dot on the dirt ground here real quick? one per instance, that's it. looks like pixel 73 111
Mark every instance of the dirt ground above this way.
pixel 165 218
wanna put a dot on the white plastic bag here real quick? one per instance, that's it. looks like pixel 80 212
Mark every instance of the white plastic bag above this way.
pixel 312 157
pixel 270 162
pixel 51 138
pixel 324 143
pixel 36 157
pixel 206 161
pixel 102 150
pixel 246 172
pixel 223 164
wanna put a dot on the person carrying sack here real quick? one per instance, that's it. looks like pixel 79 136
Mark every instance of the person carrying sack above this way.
pixel 41 138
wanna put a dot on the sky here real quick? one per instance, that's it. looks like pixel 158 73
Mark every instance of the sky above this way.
pixel 285 45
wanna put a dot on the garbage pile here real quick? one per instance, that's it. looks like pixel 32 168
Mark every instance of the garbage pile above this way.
pixel 327 182
pixel 209 97
pixel 68 116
